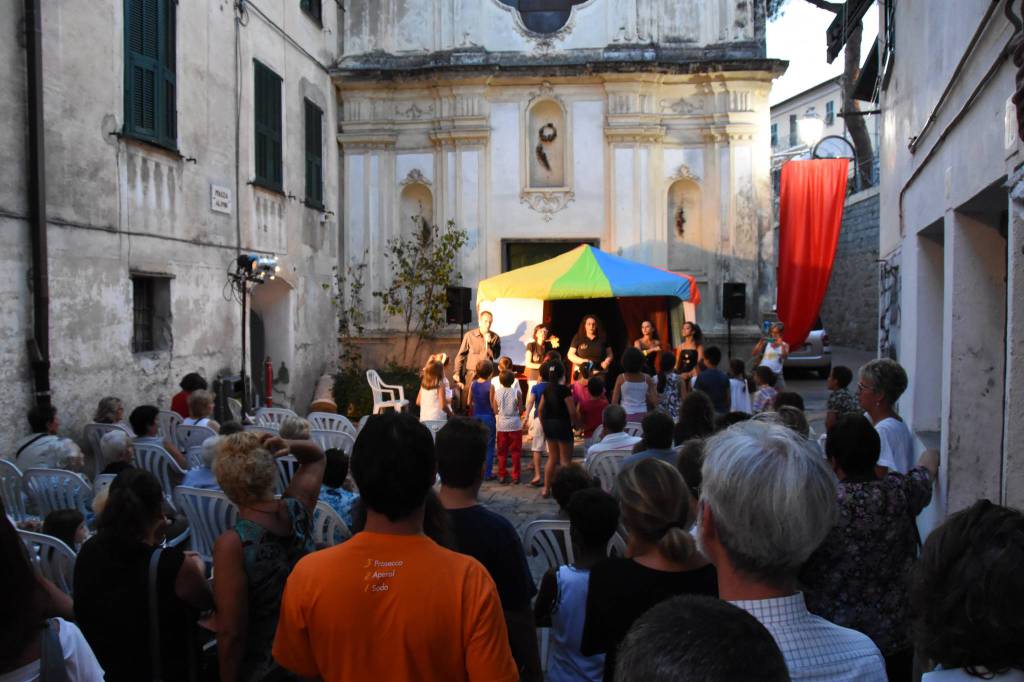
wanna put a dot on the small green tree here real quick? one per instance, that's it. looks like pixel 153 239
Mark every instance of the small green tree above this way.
pixel 422 266
pixel 347 298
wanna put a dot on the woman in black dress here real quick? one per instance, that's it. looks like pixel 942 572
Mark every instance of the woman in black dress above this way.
pixel 590 344
pixel 690 353
pixel 541 344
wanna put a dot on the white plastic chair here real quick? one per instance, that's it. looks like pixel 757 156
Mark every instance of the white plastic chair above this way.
pixel 93 434
pixel 327 421
pixel 596 436
pixel 605 466
pixel 272 416
pixel 261 428
pixel 209 513
pixel 54 559
pixel 51 489
pixel 395 394
pixel 549 538
pixel 329 528
pixel 157 461
pixel 434 425
pixel 286 468
pixel 12 490
pixel 166 424
pixel 333 439
pixel 617 546
pixel 189 435
pixel 634 429
pixel 235 408
pixel 194 456
pixel 362 423
pixel 101 483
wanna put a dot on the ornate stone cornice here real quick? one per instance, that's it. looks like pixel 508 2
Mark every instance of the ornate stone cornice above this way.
pixel 642 134
pixel 547 202
pixel 367 140
pixel 460 136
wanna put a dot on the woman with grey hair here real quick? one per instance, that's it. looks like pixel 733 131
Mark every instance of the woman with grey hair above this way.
pixel 202 475
pixel 768 500
pixel 663 561
pixel 882 381
pixel 117 451
pixel 109 411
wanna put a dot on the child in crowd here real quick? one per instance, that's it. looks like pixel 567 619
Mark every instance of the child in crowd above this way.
pixel 68 526
pixel 714 381
pixel 200 407
pixel 634 390
pixel 483 408
pixel 558 415
pixel 671 388
pixel 591 406
pixel 568 481
pixel 335 490
pixel 432 397
pixel 561 601
pixel 739 388
pixel 532 418
pixel 504 365
pixel 508 400
pixel 579 384
pixel 840 400
pixel 764 397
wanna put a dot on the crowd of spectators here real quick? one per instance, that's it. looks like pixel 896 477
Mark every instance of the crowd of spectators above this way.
pixel 753 549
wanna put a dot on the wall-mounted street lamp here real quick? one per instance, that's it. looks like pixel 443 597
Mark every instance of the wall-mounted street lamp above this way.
pixel 250 270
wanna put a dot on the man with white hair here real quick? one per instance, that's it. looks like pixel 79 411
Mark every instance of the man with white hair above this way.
pixel 768 500
pixel 117 451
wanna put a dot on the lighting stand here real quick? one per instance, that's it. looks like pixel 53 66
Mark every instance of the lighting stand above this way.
pixel 254 270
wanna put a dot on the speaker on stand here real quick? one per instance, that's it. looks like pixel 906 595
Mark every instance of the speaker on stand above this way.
pixel 459 311
pixel 734 305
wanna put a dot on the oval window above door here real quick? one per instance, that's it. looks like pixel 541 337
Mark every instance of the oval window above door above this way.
pixel 543 16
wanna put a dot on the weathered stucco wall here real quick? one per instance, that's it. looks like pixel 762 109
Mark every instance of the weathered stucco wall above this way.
pixel 118 207
pixel 850 309
pixel 944 222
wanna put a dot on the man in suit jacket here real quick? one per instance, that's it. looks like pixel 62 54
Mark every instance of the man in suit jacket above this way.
pixel 477 344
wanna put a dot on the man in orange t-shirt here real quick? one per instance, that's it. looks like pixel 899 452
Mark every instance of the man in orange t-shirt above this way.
pixel 390 604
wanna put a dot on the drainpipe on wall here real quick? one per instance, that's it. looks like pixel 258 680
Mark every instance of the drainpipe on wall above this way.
pixel 39 343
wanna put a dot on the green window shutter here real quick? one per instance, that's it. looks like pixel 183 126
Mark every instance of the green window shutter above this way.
pixel 150 98
pixel 267 128
pixel 314 155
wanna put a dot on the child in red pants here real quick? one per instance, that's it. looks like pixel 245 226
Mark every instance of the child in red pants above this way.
pixel 508 399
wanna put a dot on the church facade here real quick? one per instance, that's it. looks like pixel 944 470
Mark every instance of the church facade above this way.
pixel 639 126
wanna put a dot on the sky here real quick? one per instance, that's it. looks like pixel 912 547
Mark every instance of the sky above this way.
pixel 798 36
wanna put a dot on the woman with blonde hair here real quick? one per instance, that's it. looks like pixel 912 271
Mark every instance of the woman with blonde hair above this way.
pixel 200 408
pixel 252 561
pixel 432 398
pixel 662 562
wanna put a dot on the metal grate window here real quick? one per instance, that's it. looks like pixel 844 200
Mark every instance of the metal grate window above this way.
pixel 143 314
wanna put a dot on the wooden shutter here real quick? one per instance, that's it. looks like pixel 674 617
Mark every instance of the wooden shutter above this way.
pixel 150 97
pixel 314 155
pixel 267 114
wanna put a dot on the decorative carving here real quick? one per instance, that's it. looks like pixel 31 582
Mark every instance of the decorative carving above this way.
pixel 414 112
pixel 684 172
pixel 547 202
pixel 681 220
pixel 415 176
pixel 547 134
pixel 682 106
pixel 635 134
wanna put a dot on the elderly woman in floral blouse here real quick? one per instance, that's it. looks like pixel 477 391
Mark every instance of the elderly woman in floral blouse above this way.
pixel 858 577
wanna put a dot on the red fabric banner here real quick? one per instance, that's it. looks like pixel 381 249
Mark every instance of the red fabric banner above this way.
pixel 810 215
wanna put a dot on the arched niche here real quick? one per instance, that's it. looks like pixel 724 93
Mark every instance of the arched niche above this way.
pixel 685 222
pixel 546 139
pixel 416 206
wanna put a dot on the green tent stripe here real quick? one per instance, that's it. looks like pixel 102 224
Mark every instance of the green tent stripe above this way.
pixel 584 279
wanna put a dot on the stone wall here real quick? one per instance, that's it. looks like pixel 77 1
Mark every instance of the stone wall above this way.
pixel 850 309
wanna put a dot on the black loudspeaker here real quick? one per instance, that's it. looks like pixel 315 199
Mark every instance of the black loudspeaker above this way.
pixel 734 300
pixel 458 305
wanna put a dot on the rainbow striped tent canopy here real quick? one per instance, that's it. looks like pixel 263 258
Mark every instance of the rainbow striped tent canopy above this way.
pixel 586 272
